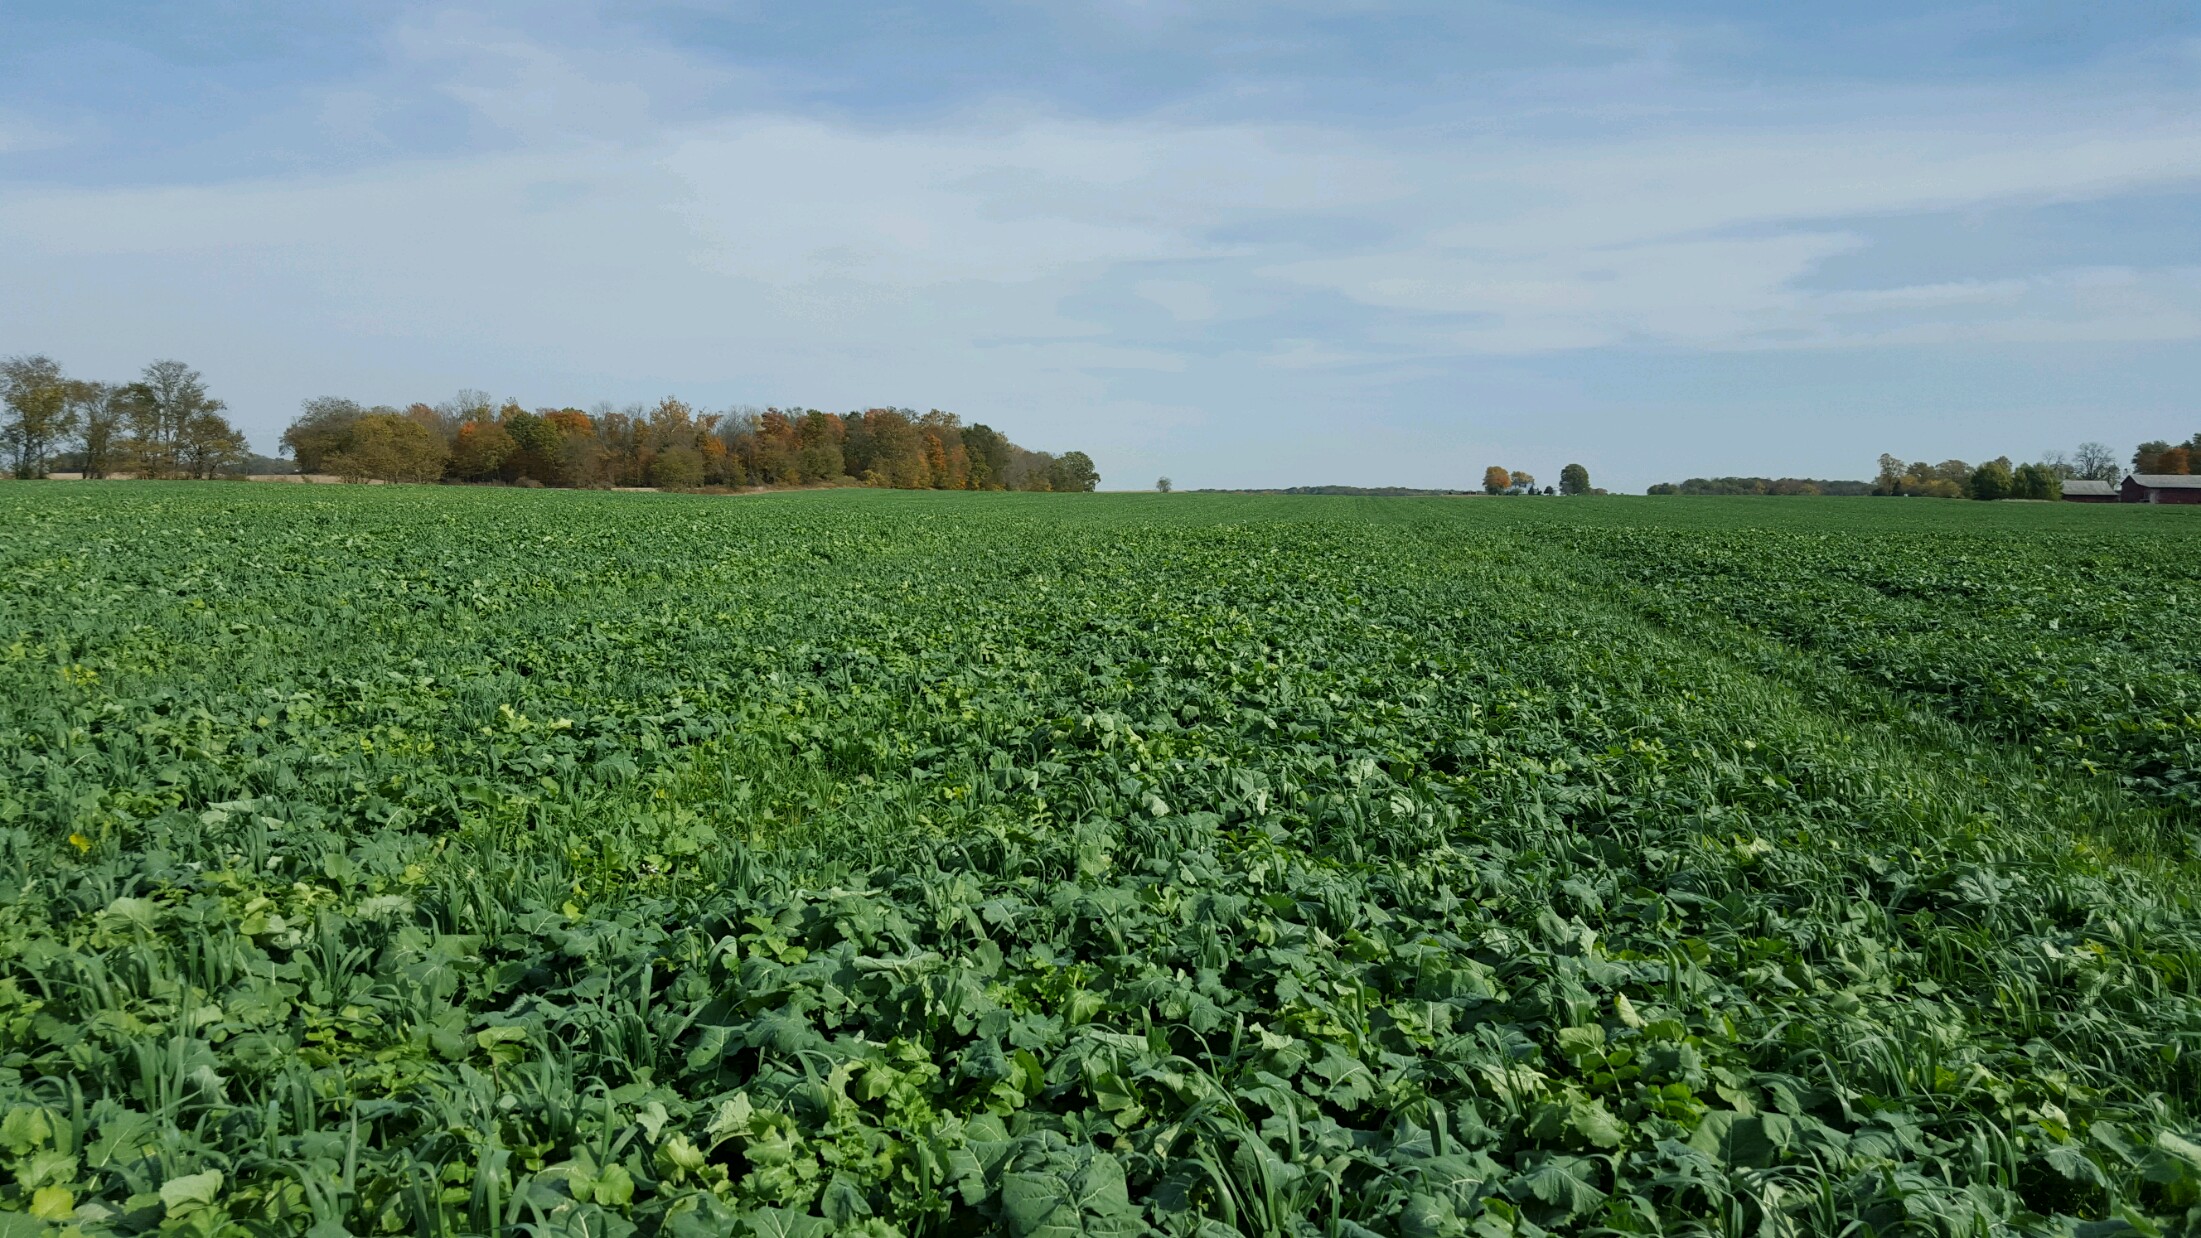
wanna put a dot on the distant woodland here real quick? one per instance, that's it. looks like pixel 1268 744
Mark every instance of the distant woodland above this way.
pixel 670 445
pixel 1999 478
pixel 1762 485
pixel 164 423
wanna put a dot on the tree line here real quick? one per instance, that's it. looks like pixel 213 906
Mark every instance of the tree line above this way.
pixel 670 445
pixel 163 424
pixel 1996 479
pixel 1761 486
pixel 2041 479
pixel 2157 456
pixel 1999 478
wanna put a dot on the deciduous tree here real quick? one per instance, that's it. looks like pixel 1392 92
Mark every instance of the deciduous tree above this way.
pixel 388 447
pixel 2036 481
pixel 1991 480
pixel 2155 457
pixel 677 468
pixel 207 446
pixel 101 422
pixel 1495 479
pixel 2095 461
pixel 166 405
pixel 480 449
pixel 819 454
pixel 1892 475
pixel 1574 479
pixel 989 452
pixel 1030 470
pixel 39 413
pixel 323 427
pixel 1073 471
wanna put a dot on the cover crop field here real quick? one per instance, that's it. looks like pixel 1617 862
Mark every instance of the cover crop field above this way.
pixel 448 861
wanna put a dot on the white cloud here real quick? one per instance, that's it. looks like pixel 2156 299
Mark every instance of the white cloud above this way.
pixel 1923 296
pixel 1305 354
pixel 1698 240
pixel 1185 300
pixel 2086 305
pixel 1709 239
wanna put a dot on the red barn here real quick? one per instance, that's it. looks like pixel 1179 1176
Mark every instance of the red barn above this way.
pixel 2162 488
pixel 2087 490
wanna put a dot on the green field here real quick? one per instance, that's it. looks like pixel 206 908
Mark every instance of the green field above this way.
pixel 461 861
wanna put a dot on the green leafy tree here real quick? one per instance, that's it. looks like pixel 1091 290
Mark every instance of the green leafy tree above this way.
pixel 1072 470
pixel 323 428
pixel 1991 480
pixel 1893 476
pixel 990 454
pixel 168 403
pixel 534 443
pixel 1162 484
pixel 100 425
pixel 39 413
pixel 677 468
pixel 1933 480
pixel 2036 481
pixel 207 446
pixel 819 455
pixel 388 447
pixel 1574 479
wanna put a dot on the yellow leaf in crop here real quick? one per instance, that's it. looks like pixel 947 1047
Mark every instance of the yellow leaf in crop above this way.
pixel 614 1186
pixel 53 1203
pixel 81 843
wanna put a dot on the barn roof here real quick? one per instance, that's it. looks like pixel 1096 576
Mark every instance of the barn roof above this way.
pixel 2087 485
pixel 2168 481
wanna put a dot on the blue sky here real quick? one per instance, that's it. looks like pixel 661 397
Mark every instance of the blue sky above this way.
pixel 1276 243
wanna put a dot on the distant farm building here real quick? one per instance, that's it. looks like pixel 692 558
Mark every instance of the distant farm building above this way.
pixel 2087 490
pixel 2161 488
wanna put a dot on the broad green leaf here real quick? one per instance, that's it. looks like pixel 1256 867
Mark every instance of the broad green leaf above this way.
pixel 190 1190
pixel 1564 1182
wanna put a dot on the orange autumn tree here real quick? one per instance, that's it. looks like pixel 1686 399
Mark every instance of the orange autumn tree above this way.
pixel 565 446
